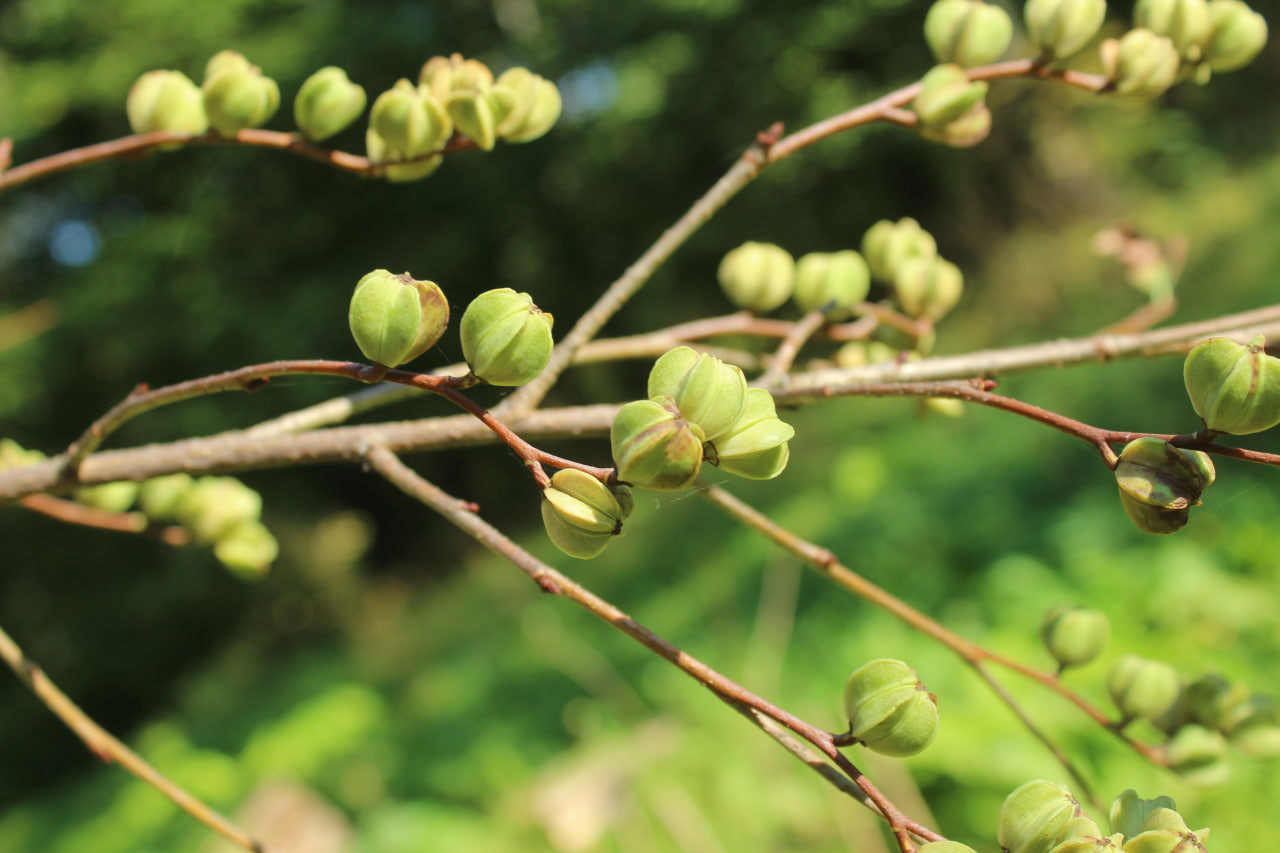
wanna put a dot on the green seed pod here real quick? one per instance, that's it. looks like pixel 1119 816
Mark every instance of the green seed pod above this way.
pixel 1198 754
pixel 1143 688
pixel 248 549
pixel 506 339
pixel 1183 22
pixel 859 353
pixel 1253 726
pixel 445 76
pixel 1033 817
pixel 166 101
pixel 395 318
pixel 755 446
pixel 1234 387
pixel 1081 826
pixel 409 121
pixel 1061 28
pixel 380 153
pixel 476 115
pixel 238 96
pixel 965 132
pixel 1236 35
pixel 889 709
pixel 1129 812
pixel 225 60
pixel 158 498
pixel 834 281
pixel 707 391
pixel 537 105
pixel 1159 483
pixel 214 505
pixel 1165 818
pixel 757 276
pixel 1211 697
pixel 927 287
pixel 1075 635
pixel 1090 844
pixel 1140 64
pixel 327 103
pixel 108 497
pixel 946 94
pixel 944 847
pixel 887 244
pixel 967 32
pixel 655 447
pixel 581 513
pixel 1163 841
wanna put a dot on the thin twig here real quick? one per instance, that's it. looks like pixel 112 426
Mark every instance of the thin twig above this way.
pixel 106 747
pixel 87 516
pixel 461 514
pixel 785 355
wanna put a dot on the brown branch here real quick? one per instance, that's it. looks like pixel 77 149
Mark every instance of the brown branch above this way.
pixel 120 522
pixel 106 747
pixel 389 466
pixel 786 353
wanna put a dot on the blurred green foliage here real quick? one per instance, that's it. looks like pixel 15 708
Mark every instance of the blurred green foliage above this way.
pixel 427 690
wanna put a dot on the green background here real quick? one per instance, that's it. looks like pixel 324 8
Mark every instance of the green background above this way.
pixel 425 691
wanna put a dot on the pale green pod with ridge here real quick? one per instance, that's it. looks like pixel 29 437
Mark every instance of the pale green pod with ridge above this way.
pixel 1143 688
pixel 1183 22
pixel 1075 635
pixel 927 287
pixel 166 101
pixel 706 390
pixel 395 318
pixel 108 497
pixel 537 105
pixel 327 103
pixel 477 115
pixel 886 245
pixel 754 446
pixel 248 549
pixel 581 514
pixel 1062 28
pixel 757 276
pixel 506 339
pixel 831 281
pixel 1033 818
pixel 1140 64
pixel 654 446
pixel 1159 483
pixel 237 95
pixel 1237 35
pixel 889 709
pixel 967 32
pixel 158 497
pixel 1234 387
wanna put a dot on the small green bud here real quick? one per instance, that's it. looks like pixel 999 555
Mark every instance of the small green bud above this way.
pixel 1075 635
pixel 1140 64
pixel 944 847
pixel 395 318
pixel 889 709
pixel 1236 35
pixel 967 32
pixel 706 390
pixel 409 121
pixel 1234 387
pixel 1143 688
pixel 755 446
pixel 757 276
pixel 506 339
pixel 887 244
pixel 476 115
pixel 327 103
pixel 655 447
pixel 215 505
pixel 248 549
pixel 1129 812
pixel 238 96
pixel 1197 754
pixel 445 76
pixel 951 107
pixel 158 498
pixel 166 101
pixel 537 105
pixel 1253 726
pixel 1033 818
pixel 1062 28
pixel 927 287
pixel 859 353
pixel 834 281
pixel 1159 483
pixel 1183 22
pixel 108 497
pixel 581 513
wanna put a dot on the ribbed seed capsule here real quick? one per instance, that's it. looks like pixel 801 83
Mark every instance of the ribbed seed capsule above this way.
pixel 237 95
pixel 654 446
pixel 1234 387
pixel 477 115
pixel 1062 28
pixel 927 287
pixel 1033 818
pixel 889 709
pixel 1075 635
pixel 327 103
pixel 757 276
pixel 537 105
pixel 581 513
pixel 1143 688
pixel 1159 483
pixel 1252 725
pixel 706 390
pixel 1183 22
pixel 1140 64
pixel 951 107
pixel 166 101
pixel 1237 34
pixel 755 445
pixel 395 318
pixel 967 32
pixel 831 281
pixel 1198 755
pixel 506 339
pixel 887 244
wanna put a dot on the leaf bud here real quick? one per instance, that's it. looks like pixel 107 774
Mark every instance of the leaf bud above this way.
pixel 476 115
pixel 409 122
pixel 1234 387
pixel 831 281
pixel 158 498
pixel 887 244
pixel 1253 726
pixel 506 339
pixel 1032 819
pixel 166 101
pixel 655 447
pixel 1140 64
pixel 706 390
pixel 581 513
pixel 1159 483
pixel 1129 812
pixel 927 287
pixel 1183 22
pixel 757 276
pixel 108 497
pixel 237 95
pixel 1061 28
pixel 951 107
pixel 889 709
pixel 215 505
pixel 755 446
pixel 944 847
pixel 1143 688
pixel 1198 755
pixel 967 32
pixel 1075 635
pixel 327 103
pixel 446 75
pixel 248 549
pixel 537 105
pixel 1236 35
pixel 395 318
